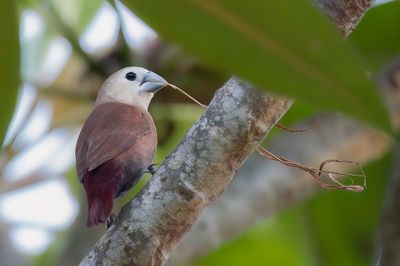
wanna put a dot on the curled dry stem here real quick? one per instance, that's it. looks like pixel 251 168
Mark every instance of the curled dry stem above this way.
pixel 317 174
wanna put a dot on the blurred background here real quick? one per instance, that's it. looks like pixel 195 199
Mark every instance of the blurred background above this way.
pixel 67 50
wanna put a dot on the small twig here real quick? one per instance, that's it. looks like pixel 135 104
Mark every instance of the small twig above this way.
pixel 291 129
pixel 317 173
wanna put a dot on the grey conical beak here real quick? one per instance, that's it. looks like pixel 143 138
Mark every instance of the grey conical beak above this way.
pixel 152 83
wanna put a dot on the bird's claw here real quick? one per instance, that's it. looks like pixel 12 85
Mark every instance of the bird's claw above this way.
pixel 110 220
pixel 152 169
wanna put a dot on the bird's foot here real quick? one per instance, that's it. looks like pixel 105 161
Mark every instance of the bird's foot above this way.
pixel 110 220
pixel 152 169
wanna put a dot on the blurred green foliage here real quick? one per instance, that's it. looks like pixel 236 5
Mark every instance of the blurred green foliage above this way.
pixel 284 46
pixel 345 223
pixel 77 14
pixel 335 228
pixel 280 240
pixel 9 63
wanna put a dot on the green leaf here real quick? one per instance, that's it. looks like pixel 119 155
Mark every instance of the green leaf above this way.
pixel 378 34
pixel 286 46
pixel 9 63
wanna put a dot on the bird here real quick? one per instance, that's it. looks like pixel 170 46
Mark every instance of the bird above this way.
pixel 118 140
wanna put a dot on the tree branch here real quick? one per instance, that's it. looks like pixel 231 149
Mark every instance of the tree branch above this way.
pixel 195 174
pixel 265 187
pixel 262 188
pixel 345 14
pixel 388 240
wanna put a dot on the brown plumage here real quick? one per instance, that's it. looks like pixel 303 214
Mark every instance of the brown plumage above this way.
pixel 115 147
pixel 118 140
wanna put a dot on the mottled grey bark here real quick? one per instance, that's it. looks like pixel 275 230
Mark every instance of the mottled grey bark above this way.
pixel 262 188
pixel 195 174
pixel 344 13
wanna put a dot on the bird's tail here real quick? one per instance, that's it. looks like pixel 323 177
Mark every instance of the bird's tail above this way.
pixel 98 211
pixel 100 187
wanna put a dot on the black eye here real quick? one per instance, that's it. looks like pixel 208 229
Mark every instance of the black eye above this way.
pixel 130 76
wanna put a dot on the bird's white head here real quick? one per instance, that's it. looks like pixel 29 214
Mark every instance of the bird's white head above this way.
pixel 131 85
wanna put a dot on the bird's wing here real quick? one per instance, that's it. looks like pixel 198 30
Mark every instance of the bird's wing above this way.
pixel 110 130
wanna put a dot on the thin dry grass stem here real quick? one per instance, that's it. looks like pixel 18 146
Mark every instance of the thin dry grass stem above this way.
pixel 317 174
pixel 205 107
pixel 187 95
